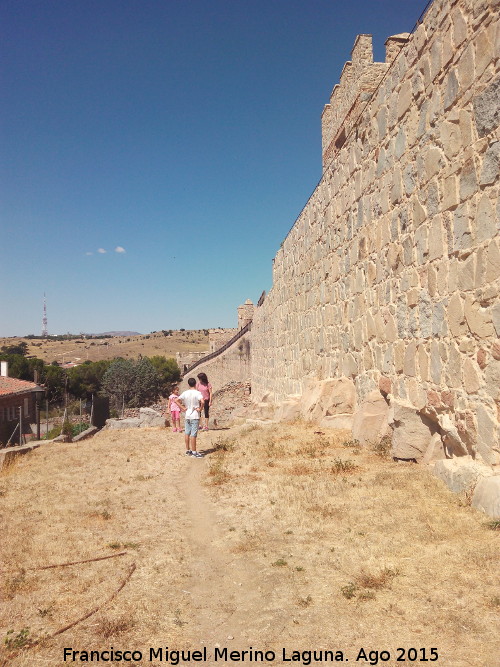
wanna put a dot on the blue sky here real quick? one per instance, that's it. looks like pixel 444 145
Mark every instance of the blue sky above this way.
pixel 181 137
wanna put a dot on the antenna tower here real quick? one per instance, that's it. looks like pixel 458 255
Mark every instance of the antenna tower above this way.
pixel 44 318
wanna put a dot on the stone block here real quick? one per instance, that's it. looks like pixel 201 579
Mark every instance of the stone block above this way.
pixel 465 67
pixel 456 315
pixel 451 139
pixel 436 238
pixel 461 474
pixel 462 234
pixel 404 98
pixel 451 90
pixel 493 262
pixel 471 376
pixel 338 422
pixel 450 196
pixel 486 220
pixel 288 410
pixel 491 164
pixel 329 397
pixel 487 109
pixel 488 444
pixel 468 180
pixel 88 433
pixel 483 52
pixel 478 318
pixel 495 318
pixel 150 418
pixel 9 454
pixel 434 162
pixel 486 497
pixel 492 379
pixel 412 431
pixel 129 422
pixel 370 422
pixel 435 450
pixel 459 27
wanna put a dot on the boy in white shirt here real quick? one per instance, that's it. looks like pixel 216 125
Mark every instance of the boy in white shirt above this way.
pixel 191 402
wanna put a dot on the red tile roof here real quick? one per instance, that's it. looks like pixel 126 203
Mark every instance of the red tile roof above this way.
pixel 10 386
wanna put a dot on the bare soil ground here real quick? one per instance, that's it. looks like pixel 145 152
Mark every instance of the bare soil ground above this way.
pixel 282 537
pixel 129 347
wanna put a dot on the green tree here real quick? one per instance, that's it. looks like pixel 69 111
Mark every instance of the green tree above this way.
pixel 86 379
pixel 54 378
pixel 19 348
pixel 118 382
pixel 131 383
pixel 147 383
pixel 168 370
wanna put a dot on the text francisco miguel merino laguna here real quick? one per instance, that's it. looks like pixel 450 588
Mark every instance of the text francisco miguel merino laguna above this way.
pixel 217 654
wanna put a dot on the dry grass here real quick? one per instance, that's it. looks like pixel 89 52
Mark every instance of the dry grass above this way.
pixel 129 347
pixel 294 546
pixel 67 503
pixel 380 548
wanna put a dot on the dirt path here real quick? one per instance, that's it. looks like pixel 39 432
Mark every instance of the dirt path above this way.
pixel 226 592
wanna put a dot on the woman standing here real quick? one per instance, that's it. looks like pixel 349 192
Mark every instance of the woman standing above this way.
pixel 205 388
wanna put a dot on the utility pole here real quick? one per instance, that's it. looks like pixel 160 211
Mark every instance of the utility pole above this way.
pixel 44 318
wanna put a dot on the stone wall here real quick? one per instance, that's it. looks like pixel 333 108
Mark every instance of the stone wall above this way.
pixel 390 276
pixel 231 365
pixel 219 337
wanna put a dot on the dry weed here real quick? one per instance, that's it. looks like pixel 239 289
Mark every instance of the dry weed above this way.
pixel 113 627
pixel 376 580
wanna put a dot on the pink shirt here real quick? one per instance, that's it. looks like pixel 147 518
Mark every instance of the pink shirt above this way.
pixel 172 406
pixel 204 390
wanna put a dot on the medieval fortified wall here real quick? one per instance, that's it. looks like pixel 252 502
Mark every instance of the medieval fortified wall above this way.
pixel 386 289
pixel 229 357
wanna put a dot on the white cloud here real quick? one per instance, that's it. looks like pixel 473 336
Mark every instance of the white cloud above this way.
pixel 119 249
pixel 102 251
pixel 89 253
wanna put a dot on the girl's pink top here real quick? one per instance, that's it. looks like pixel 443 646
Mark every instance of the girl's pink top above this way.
pixel 172 406
pixel 204 389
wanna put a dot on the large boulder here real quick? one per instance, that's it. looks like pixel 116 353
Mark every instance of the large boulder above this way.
pixel 328 398
pixel 288 410
pixel 129 422
pixel 371 419
pixel 487 496
pixel 461 474
pixel 150 418
pixel 412 431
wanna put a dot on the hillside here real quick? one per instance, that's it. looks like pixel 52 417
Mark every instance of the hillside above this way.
pixel 81 349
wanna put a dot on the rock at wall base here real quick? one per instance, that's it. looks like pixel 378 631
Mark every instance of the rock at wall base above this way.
pixel 412 431
pixel 435 450
pixel 371 419
pixel 486 497
pixel 288 411
pixel 325 398
pixel 461 474
pixel 340 422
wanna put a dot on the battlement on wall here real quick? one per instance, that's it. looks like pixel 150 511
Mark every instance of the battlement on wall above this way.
pixel 358 81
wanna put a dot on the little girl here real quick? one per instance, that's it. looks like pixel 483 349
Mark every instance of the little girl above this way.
pixel 175 410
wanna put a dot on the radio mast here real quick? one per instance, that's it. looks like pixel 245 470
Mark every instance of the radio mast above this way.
pixel 44 318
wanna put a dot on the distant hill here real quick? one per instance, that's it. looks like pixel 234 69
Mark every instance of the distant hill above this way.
pixel 126 344
pixel 116 333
